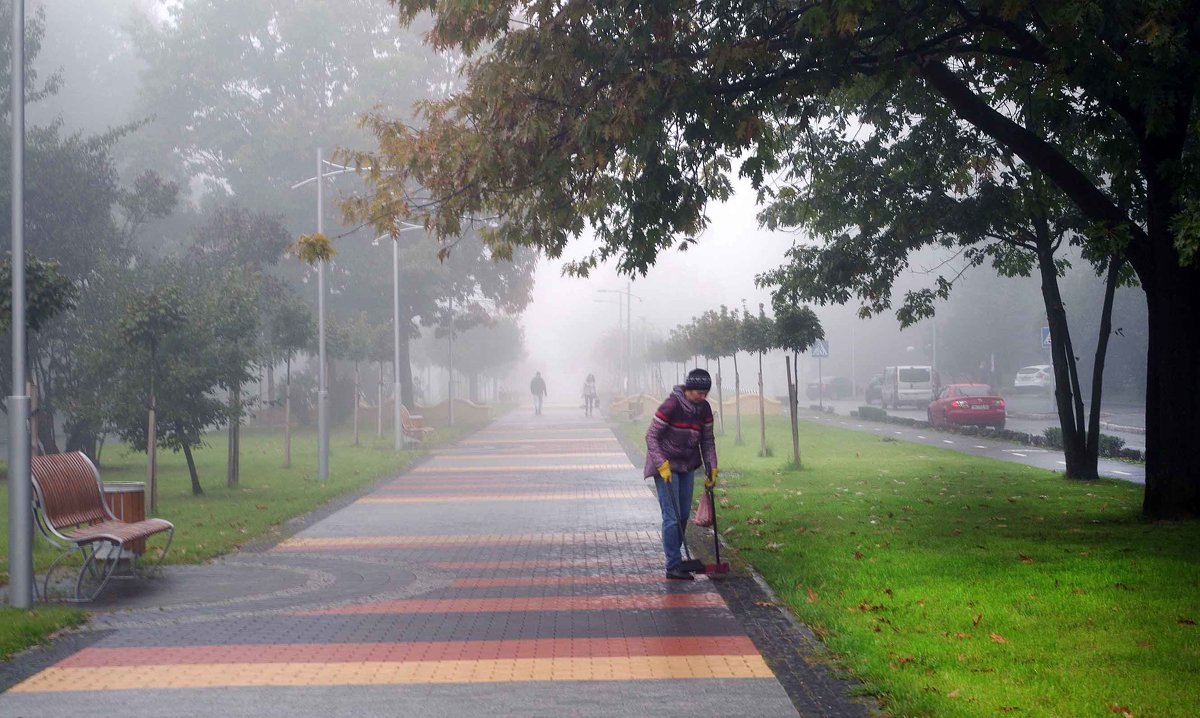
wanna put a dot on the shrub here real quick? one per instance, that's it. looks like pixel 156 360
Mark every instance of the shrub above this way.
pixel 872 413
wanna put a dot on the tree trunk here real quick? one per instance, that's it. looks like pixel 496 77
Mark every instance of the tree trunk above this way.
pixel 406 377
pixel 762 412
pixel 793 405
pixel 473 387
pixel 271 384
pixel 197 490
pixel 1172 391
pixel 720 400
pixel 287 415
pixel 152 456
pixel 379 403
pixel 235 422
pixel 356 389
pixel 1070 406
pixel 1093 433
pixel 737 402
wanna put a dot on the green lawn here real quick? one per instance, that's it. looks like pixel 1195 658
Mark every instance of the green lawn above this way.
pixel 223 518
pixel 957 586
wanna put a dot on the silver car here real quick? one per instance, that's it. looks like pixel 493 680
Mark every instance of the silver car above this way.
pixel 1037 377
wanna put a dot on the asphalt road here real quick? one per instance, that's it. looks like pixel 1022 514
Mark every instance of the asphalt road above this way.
pixel 1033 413
pixel 974 445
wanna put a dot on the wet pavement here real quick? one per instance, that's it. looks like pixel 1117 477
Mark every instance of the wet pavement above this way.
pixel 517 573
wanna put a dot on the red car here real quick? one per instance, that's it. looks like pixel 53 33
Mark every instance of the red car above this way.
pixel 959 404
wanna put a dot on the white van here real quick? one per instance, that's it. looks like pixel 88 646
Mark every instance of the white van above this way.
pixel 913 385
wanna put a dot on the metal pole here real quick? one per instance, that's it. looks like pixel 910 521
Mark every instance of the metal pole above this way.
pixel 450 383
pixel 20 486
pixel 322 386
pixel 629 335
pixel 398 438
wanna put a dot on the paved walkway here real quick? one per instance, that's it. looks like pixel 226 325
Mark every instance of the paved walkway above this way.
pixel 518 573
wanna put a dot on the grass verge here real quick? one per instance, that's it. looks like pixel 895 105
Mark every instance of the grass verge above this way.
pixel 957 586
pixel 224 518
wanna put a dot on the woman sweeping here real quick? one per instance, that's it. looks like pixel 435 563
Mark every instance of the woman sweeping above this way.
pixel 679 438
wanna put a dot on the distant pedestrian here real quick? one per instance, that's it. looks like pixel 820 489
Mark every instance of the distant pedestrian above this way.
pixel 591 398
pixel 679 439
pixel 537 387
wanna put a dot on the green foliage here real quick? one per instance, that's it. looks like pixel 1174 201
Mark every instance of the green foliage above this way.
pixel 151 315
pixel 757 333
pixel 47 293
pixel 796 328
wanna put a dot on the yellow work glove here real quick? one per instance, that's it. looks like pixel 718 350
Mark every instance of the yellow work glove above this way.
pixel 713 473
pixel 664 470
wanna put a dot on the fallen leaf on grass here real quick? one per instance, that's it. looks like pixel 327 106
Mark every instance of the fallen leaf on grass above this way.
pixel 975 621
pixel 774 546
pixel 998 638
pixel 1120 710
pixel 1186 621
pixel 1009 709
pixel 858 555
pixel 765 604
pixel 812 595
pixel 953 694
pixel 1024 558
pixel 1144 644
pixel 260 507
pixel 754 521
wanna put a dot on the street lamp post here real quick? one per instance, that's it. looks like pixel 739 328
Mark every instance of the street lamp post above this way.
pixel 20 485
pixel 397 429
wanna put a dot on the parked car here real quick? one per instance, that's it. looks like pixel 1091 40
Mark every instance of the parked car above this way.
pixel 967 404
pixel 830 387
pixel 908 385
pixel 874 390
pixel 1038 377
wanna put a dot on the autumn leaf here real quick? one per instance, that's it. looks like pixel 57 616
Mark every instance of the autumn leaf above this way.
pixel 1120 710
pixel 1024 558
pixel 1186 621
pixel 812 595
pixel 998 638
pixel 975 621
pixel 765 604
pixel 953 694
pixel 858 555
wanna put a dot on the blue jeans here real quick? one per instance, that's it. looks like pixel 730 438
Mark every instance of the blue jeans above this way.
pixel 675 500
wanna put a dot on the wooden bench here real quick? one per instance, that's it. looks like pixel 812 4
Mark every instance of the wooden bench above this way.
pixel 71 513
pixel 411 425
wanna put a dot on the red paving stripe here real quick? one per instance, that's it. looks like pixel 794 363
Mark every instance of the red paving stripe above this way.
pixel 414 651
pixel 339 543
pixel 556 580
pixel 544 563
pixel 533 603
pixel 578 495
pixel 527 468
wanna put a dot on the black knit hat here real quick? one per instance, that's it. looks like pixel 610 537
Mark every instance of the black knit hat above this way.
pixel 698 379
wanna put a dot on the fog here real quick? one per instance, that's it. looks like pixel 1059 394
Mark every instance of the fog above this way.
pixel 126 67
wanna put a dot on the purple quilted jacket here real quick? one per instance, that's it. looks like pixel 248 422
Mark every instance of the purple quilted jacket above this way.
pixel 682 433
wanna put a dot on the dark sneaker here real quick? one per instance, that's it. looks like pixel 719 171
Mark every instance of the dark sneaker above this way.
pixel 694 565
pixel 679 575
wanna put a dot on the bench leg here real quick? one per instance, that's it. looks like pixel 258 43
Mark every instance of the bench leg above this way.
pixel 91 567
pixel 53 565
pixel 163 555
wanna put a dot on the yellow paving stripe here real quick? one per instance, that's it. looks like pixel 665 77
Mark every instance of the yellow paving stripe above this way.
pixel 607 538
pixel 616 668
pixel 428 469
pixel 593 495
pixel 461 455
pixel 607 439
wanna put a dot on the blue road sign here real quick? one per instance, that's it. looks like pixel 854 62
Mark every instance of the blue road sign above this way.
pixel 1045 337
pixel 820 349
